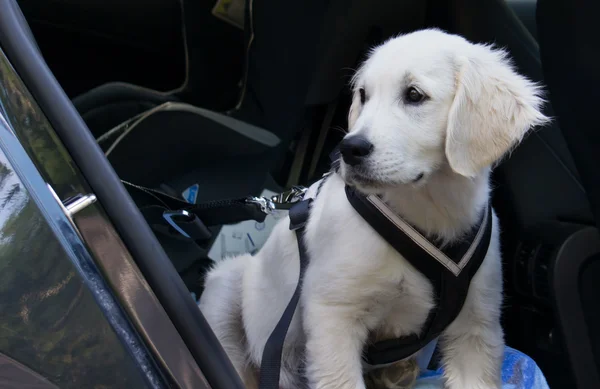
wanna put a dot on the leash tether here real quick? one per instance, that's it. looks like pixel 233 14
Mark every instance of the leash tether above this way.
pixel 270 366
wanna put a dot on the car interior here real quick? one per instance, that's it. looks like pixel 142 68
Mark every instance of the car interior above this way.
pixel 176 96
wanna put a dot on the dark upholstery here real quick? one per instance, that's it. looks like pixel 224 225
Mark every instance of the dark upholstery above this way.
pixel 280 66
pixel 109 105
pixel 570 52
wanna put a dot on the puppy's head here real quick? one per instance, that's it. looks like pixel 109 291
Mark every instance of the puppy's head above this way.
pixel 427 100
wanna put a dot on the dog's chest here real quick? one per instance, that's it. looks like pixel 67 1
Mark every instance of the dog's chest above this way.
pixel 352 265
pixel 396 298
pixel 404 316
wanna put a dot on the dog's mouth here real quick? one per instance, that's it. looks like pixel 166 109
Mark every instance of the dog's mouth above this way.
pixel 356 178
pixel 366 183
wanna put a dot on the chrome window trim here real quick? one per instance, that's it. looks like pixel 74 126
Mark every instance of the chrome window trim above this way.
pixel 78 254
pixel 123 293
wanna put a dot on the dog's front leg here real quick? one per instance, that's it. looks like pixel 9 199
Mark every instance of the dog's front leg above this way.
pixel 473 356
pixel 335 339
pixel 473 345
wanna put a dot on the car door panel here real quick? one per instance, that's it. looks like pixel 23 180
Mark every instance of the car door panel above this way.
pixel 38 139
pixel 58 317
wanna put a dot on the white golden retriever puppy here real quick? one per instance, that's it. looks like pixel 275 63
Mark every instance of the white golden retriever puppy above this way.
pixel 433 113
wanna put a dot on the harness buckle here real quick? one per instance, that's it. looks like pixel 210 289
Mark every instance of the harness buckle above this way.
pixel 286 199
pixel 266 205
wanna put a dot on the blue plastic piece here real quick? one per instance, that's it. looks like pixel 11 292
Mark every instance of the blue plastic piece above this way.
pixel 518 372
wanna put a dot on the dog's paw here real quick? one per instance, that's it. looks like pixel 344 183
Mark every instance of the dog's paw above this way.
pixel 400 375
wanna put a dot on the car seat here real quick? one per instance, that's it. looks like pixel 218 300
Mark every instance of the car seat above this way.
pixel 222 154
pixel 291 73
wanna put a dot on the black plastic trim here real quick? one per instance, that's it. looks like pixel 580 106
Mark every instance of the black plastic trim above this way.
pixel 16 41
pixel 570 259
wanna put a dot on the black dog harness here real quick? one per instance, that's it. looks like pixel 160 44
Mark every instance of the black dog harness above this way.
pixel 449 269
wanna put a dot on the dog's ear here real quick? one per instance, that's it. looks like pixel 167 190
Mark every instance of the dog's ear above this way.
pixel 493 109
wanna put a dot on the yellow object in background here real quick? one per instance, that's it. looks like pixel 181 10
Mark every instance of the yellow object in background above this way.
pixel 230 11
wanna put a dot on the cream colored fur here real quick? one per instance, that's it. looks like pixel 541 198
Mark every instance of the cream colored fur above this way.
pixel 431 163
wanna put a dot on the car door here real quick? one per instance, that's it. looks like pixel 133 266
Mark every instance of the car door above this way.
pixel 76 309
pixel 145 327
pixel 61 324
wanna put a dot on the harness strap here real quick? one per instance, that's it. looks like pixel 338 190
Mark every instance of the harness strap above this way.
pixel 164 212
pixel 449 270
pixel 270 366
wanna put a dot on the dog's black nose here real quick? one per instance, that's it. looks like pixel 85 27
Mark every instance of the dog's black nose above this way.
pixel 354 149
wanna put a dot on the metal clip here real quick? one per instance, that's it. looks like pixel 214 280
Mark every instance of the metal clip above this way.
pixel 266 205
pixel 284 200
pixel 75 204
pixel 288 198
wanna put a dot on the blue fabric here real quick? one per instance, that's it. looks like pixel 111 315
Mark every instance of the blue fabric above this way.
pixel 518 372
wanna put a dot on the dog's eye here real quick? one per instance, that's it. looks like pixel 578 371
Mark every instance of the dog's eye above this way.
pixel 363 96
pixel 413 95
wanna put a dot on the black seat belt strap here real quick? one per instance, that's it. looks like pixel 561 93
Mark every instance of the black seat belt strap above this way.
pixel 192 220
pixel 270 365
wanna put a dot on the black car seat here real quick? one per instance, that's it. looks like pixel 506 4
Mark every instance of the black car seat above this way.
pixel 110 104
pixel 291 72
pixel 162 138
